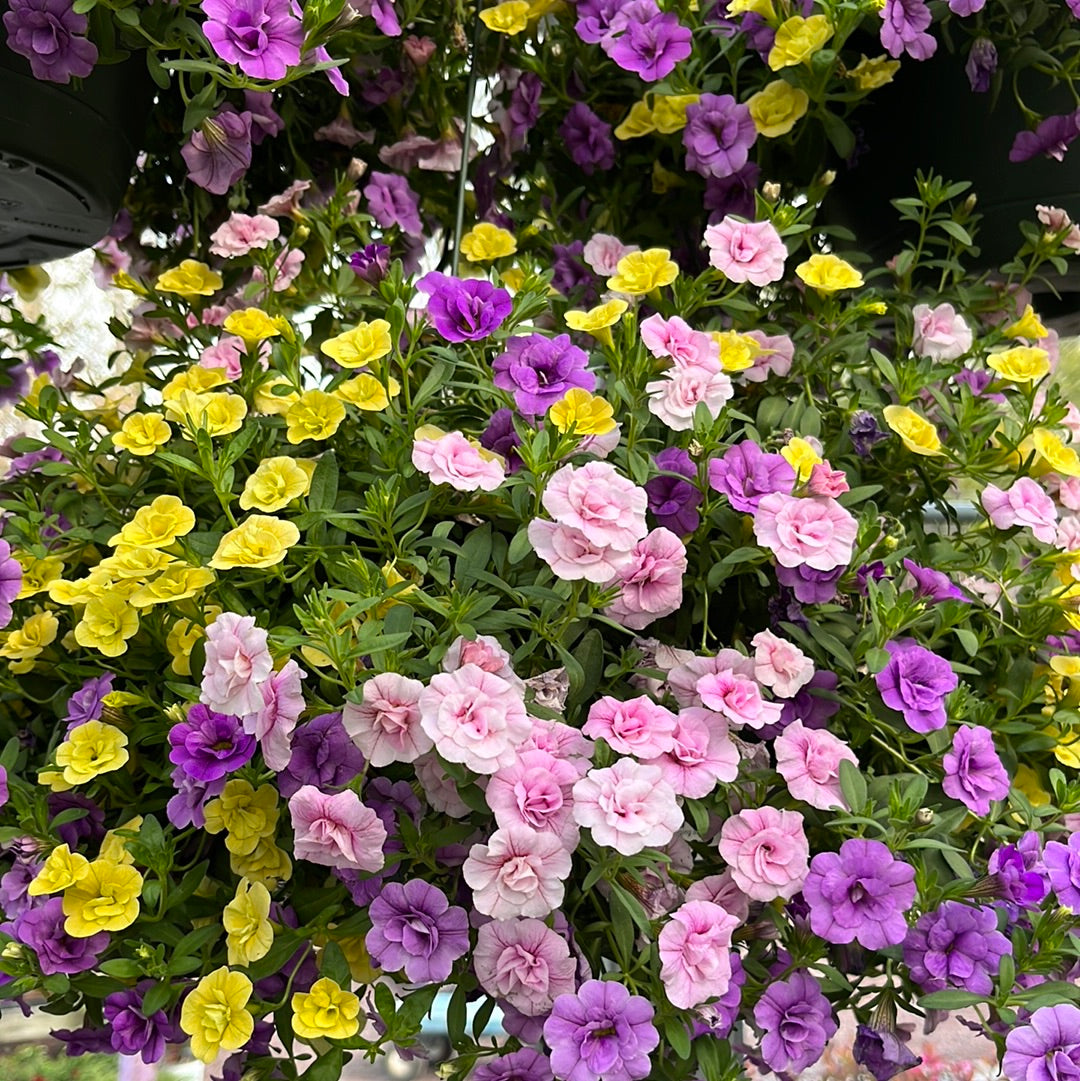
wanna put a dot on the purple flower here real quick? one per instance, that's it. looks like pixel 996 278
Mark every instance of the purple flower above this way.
pixel 726 1007
pixel 84 1041
pixel 391 201
pixel 974 774
pixel 1020 871
pixel 186 807
pixel 131 1032
pixel 539 371
pixel 956 945
pixel 571 276
pixel 904 29
pixel 1047 1048
pixel 746 473
pixel 88 701
pixel 1052 137
pixel 501 437
pixel 649 47
pixel 718 135
pixel 523 1065
pixel 322 755
pixel 860 893
pixel 814 710
pixel 464 310
pixel 5 792
pixel 265 120
pixel 594 19
pixel 371 263
pixel 414 927
pixel 363 888
pixel 865 433
pixel 588 139
pixel 10 581
pixel 674 500
pixel 52 37
pixel 915 682
pixel 1063 868
pixel 798 1022
pixel 810 586
pixel 933 585
pixel 734 194
pixel 963 8
pixel 603 1033
pixel 981 64
pixel 882 1052
pixel 208 745
pixel 90 828
pixel 262 37
pixel 42 929
pixel 521 114
pixel 218 152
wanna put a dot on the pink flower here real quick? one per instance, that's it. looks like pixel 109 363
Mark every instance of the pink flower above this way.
pixel 940 333
pixel 485 652
pixel 627 807
pixel 336 830
pixel 1068 534
pixel 243 233
pixel 701 754
pixel 286 268
pixel 562 741
pixel 676 396
pixel 738 698
pixel 238 662
pixel 722 891
pixel 683 677
pixel 475 718
pixel 287 204
pixel 1024 504
pixel 809 761
pixel 767 852
pixel 826 481
pixel 695 953
pixel 813 532
pixel 1055 220
pixel 385 724
pixel 1068 491
pixel 451 459
pixel 272 726
pixel 525 963
pixel 746 251
pixel 780 664
pixel 650 581
pixel 607 508
pixel 536 792
pixel 440 789
pixel 676 339
pixel 228 356
pixel 776 358
pixel 603 252
pixel 519 872
pixel 638 726
pixel 571 555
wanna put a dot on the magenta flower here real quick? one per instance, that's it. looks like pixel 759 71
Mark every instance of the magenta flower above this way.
pixel 262 37
pixel 464 310
pixel 52 37
pixel 525 963
pixel 539 371
pixel 798 1022
pixel 974 774
pixel 649 47
pixel 208 745
pixel 1047 1048
pixel 218 152
pixel 718 135
pixel 956 945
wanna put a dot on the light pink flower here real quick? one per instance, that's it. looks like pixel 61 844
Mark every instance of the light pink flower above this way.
pixel 226 355
pixel 440 789
pixel 675 338
pixel 1068 534
pixel 780 664
pixel 536 792
pixel 826 481
pixel 1071 421
pixel 485 652
pixel 738 698
pixel 1068 491
pixel 607 508
pixel 238 662
pixel 525 963
pixel 243 233
pixel 701 754
pixel 273 725
pixel 452 459
pixel 940 333
pixel 519 872
pixel 1055 220
pixel 746 251
pixel 474 718
pixel 385 724
pixel 650 582
pixel 1024 504
pixel 562 741
pixel 682 679
pixel 627 807
pixel 571 555
pixel 722 891
pixel 287 204
pixel 695 953
pixel 809 761
pixel 676 396
pixel 603 252
pixel 813 532
pixel 776 358
pixel 767 852
pixel 638 726
pixel 286 268
pixel 599 446
pixel 336 830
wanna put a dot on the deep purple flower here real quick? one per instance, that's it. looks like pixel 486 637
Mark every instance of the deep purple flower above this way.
pixel 539 371
pixel 745 473
pixel 588 139
pixel 208 745
pixel 904 29
pixel 415 928
pixel 523 1065
pixel 88 701
pixel 84 1041
pixel 810 586
pixel 571 276
pixel 1063 867
pixel 882 1052
pixel 464 310
pixel 52 37
pixel 594 19
pixel 42 929
pixel 388 799
pixel 603 1033
pixel 869 572
pixel 10 581
pixel 391 201
pixel 718 135
pixel 915 682
pixel 89 828
pixel 933 585
pixel 1047 1048
pixel 521 113
pixel 265 121
pixel 132 1033
pixel 261 37
pixel 322 755
pixel 865 433
pixel 733 194
pixel 501 437
pixel 371 263
pixel 814 710
pixel 798 1022
pixel 1020 871
pixel 674 500
pixel 860 893
pixel 363 888
pixel 956 945
pixel 651 47
pixel 784 607
pixel 1052 138
pixel 981 64
pixel 974 774
pixel 218 152
pixel 186 807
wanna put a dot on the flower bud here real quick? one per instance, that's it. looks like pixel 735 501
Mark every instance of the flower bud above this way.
pixel 924 816
pixel 771 190
pixel 356 169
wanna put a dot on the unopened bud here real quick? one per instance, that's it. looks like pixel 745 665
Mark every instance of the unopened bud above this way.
pixel 829 178
pixel 924 816
pixel 771 190
pixel 970 202
pixel 695 448
pixel 356 169
pixel 458 38
pixel 13 951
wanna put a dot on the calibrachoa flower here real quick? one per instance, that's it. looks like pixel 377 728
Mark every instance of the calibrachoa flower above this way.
pixel 1047 1048
pixel 674 397
pixel 940 333
pixel 1020 871
pixel 522 1065
pixel 42 929
pixel 916 682
pixel 809 761
pixel 536 792
pixel 237 663
pixel 608 509
pixel 674 501
pixel 208 745
pixel 650 580
pixel 718 135
pixel 797 1022
pixel 215 1014
pixel 325 1012
pixel 956 945
pixel 746 251
pixel 882 1052
pixel 745 474
pixel 814 532
pixel 695 953
pixel 1063 869
pixel 1024 504
pixel 464 310
pixel 767 852
pixel 588 139
pixel 627 806
pixel 262 37
pixel 701 754
pixel 218 152
pixel 974 774
pixel 131 1031
pixel 519 872
pixel 450 458
pixel 385 725
pixel 52 36
pixel 525 963
pixel 638 726
pixel 539 371
pixel 336 830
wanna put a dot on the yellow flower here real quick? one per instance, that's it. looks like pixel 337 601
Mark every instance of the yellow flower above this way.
pixel 871 74
pixel 275 484
pixel 1021 364
pixel 91 749
pixel 177 583
pixel 638 122
pixel 916 432
pixel 271 404
pixel 1027 326
pixel 157 524
pixel 219 414
pixel 828 273
pixel 598 321
pixel 96 584
pixel 802 457
pixel 359 960
pixel 326 1011
pixel 107 623
pixel 247 815
pixel 364 344
pixel 641 272
pixel 1067 749
pixel 23 646
pixel 764 8
pixel 513 278
pixel 1026 780
pixel 669 111
pixel 247 924
pixel 114 847
pixel 62 869
pixel 366 392
pixel 664 180
pixel 190 279
pixel 1061 458
pixel 267 864
pixel 54 779
pixel 585 413
pixel 508 18
pixel 251 324
pixel 142 433
pixel 260 540
pixel 737 351
pixel 215 1014
pixel 123 280
pixel 314 415
pixel 106 898
pixel 485 242
pixel 775 109
pixel 37 574
pixel 180 641
pixel 797 39
pixel 195 378
pixel 127 562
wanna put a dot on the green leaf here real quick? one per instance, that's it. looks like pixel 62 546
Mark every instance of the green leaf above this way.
pixel 956 231
pixel 853 785
pixel 123 967
pixel 678 1038
pixel 385 1004
pixel 324 483
pixel 839 134
pixel 157 998
pixel 877 659
pixel 622 926
pixel 327 1065
pixel 333 965
pixel 520 546
pixel 968 640
pixel 949 1000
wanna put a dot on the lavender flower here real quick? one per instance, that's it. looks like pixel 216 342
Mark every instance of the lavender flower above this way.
pixel 882 1052
pixel 956 945
pixel 42 929
pixel 904 29
pixel 981 64
pixel 52 37
pixel 571 276
pixel 208 745
pixel 974 774
pixel 810 586
pixel 131 1032
pixel 865 432
pixel 594 19
pixel 650 47
pixel 1063 868
pixel 186 807
pixel 588 139
pixel 464 310
pixel 88 701
pixel 265 121
pixel 391 201
pixel 84 1041
pixel 1052 138
pixel 521 114
pixel 718 135
pixel 674 500
pixel 933 585
pixel 539 371
pixel 218 152
pixel 1020 872
pixel 798 1022
pixel 915 682
pixel 10 581
pixel 1047 1048
pixel 322 755
pixel 523 1065
pixel 262 37
pixel 746 473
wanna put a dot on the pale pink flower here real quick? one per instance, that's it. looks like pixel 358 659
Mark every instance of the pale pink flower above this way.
pixel 1024 504
pixel 722 891
pixel 238 662
pixel 809 761
pixel 695 953
pixel 677 339
pixel 273 725
pixel 767 852
pixel 599 446
pixel 701 754
pixel 1071 421
pixel 475 718
pixel 776 357
pixel 571 555
pixel 336 830
pixel 286 268
pixel 746 251
pixel 603 252
pixel 1068 534
pixel 536 792
pixel 637 726
pixel 627 807
pixel 607 508
pixel 562 741
pixel 650 582
pixel 525 963
pixel 519 872
pixel 814 532
pixel 385 724
pixel 226 355
pixel 826 481
pixel 675 397
pixel 780 665
pixel 242 233
pixel 440 789
pixel 940 333
pixel 1055 220
pixel 485 652
pixel 287 204
pixel 451 459
pixel 1068 491
pixel 682 678
pixel 738 698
